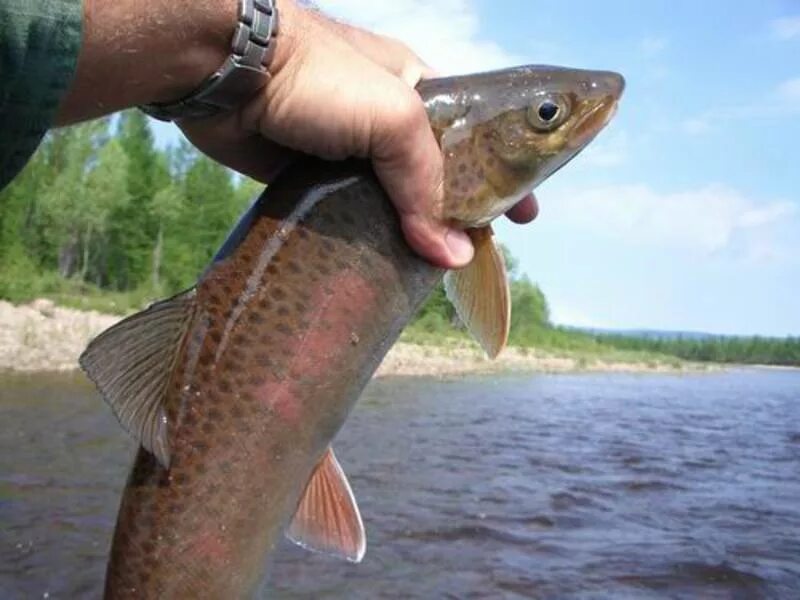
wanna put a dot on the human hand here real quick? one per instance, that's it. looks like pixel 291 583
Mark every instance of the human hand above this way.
pixel 339 91
pixel 336 91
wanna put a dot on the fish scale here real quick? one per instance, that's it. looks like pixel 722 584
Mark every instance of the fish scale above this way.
pixel 237 387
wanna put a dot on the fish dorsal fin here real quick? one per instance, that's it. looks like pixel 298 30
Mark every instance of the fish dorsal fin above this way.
pixel 131 364
pixel 479 292
pixel 327 518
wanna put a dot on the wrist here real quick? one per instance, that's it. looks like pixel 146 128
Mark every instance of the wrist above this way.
pixel 136 53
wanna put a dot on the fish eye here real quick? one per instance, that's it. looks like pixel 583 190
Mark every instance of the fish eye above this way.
pixel 548 114
pixel 548 111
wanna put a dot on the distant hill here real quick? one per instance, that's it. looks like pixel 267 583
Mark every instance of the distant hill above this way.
pixel 658 334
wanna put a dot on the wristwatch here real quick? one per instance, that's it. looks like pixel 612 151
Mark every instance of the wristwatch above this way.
pixel 242 74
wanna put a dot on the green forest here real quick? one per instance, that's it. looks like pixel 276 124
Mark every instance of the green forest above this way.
pixel 103 219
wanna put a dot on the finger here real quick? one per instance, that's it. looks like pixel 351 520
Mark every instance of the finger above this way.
pixel 525 210
pixel 409 164
pixel 390 53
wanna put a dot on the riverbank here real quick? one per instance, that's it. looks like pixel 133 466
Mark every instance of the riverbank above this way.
pixel 41 336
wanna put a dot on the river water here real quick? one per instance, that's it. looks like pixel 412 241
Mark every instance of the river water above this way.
pixel 536 486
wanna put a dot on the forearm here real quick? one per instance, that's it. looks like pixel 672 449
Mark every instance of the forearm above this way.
pixel 138 52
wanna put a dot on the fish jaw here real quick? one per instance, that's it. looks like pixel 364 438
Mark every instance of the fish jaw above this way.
pixel 495 151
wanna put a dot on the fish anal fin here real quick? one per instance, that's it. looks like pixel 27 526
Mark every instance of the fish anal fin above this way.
pixel 131 364
pixel 480 294
pixel 327 519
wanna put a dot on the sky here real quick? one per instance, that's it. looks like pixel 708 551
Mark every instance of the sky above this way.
pixel 684 214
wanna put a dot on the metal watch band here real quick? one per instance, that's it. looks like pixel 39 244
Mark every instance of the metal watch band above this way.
pixel 241 76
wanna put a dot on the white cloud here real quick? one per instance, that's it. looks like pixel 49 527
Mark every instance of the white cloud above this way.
pixel 696 126
pixel 562 314
pixel 790 90
pixel 446 34
pixel 782 101
pixel 706 220
pixel 786 28
pixel 653 46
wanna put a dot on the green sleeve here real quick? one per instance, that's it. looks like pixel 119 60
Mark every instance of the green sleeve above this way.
pixel 39 45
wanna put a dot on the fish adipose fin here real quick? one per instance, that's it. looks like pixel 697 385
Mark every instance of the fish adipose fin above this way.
pixel 327 518
pixel 479 292
pixel 131 364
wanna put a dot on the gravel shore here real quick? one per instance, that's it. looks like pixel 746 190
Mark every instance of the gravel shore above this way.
pixel 41 336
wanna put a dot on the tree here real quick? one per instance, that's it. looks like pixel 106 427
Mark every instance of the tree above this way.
pixel 134 226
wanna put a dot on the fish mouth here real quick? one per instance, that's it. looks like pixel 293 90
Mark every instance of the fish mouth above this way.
pixel 593 122
pixel 613 84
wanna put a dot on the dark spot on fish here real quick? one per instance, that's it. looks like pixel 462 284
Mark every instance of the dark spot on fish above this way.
pixel 208 428
pixel 294 267
pixel 215 335
pixel 328 245
pixel 283 311
pixel 278 293
pixel 340 264
pixel 246 257
pixel 224 386
pixel 227 289
pixel 237 412
pixel 229 365
pixel 302 233
pixel 323 269
pixel 462 168
pixel 299 306
pixel 255 380
pixel 214 299
pixel 272 270
pixel 214 414
pixel 265 303
pixel 199 446
pixel 239 339
pixel 179 478
pixel 284 329
pixel 255 317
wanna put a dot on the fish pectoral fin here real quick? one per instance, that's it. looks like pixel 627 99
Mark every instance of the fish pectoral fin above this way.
pixel 479 292
pixel 327 518
pixel 131 364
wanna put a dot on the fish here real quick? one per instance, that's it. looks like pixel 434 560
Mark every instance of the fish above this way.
pixel 236 388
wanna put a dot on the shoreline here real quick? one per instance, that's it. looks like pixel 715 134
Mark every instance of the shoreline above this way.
pixel 41 337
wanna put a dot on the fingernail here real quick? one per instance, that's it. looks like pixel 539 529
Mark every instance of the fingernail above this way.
pixel 460 246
